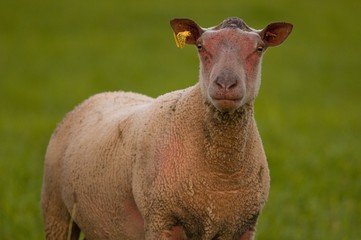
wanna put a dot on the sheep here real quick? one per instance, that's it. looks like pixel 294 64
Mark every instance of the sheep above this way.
pixel 187 165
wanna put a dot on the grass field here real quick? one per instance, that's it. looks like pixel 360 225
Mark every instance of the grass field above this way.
pixel 54 54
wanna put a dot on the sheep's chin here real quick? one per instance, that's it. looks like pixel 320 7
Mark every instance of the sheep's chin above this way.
pixel 226 105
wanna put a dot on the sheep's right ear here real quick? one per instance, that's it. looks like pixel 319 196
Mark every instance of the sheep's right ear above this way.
pixel 182 25
pixel 275 33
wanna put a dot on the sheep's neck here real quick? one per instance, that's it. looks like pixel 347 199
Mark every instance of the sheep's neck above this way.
pixel 226 137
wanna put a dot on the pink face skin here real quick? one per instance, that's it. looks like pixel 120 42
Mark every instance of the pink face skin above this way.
pixel 230 67
pixel 231 55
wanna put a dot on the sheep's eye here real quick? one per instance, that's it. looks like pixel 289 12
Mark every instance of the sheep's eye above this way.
pixel 199 46
pixel 260 49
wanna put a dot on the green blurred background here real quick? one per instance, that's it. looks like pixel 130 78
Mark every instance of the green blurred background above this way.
pixel 54 54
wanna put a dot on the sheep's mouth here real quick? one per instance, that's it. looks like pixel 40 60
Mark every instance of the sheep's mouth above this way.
pixel 227 104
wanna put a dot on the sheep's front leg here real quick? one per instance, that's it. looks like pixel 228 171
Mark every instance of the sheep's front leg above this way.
pixel 174 233
pixel 249 234
pixel 164 230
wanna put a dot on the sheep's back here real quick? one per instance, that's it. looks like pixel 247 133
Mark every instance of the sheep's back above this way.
pixel 100 109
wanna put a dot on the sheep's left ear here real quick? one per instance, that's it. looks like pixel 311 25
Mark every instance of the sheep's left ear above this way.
pixel 275 33
pixel 183 24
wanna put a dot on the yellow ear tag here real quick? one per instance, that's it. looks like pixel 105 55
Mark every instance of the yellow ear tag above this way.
pixel 181 37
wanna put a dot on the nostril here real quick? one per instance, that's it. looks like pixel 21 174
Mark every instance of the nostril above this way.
pixel 226 83
pixel 220 83
pixel 232 84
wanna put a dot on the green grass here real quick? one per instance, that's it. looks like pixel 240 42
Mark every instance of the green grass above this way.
pixel 54 54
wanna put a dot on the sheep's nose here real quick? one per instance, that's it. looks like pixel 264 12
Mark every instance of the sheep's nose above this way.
pixel 226 82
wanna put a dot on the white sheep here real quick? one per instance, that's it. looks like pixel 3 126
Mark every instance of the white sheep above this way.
pixel 186 165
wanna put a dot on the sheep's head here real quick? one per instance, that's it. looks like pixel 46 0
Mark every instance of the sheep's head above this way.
pixel 230 58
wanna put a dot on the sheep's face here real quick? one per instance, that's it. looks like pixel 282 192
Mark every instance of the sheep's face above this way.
pixel 230 61
pixel 230 58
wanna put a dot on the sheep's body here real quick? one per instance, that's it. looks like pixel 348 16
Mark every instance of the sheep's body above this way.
pixel 127 166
